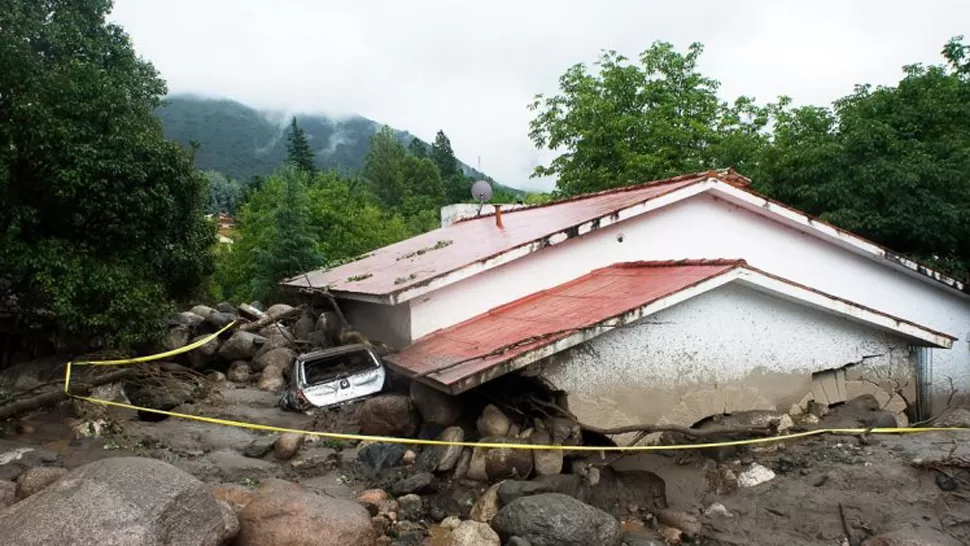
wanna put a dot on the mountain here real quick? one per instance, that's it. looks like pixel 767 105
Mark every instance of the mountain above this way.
pixel 242 142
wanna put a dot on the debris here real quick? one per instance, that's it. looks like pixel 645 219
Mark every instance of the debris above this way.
pixel 290 517
pixel 717 510
pixel 409 457
pixel 671 535
pixel 553 519
pixel 756 474
pixel 239 372
pixel 548 462
pixel 373 496
pixel 8 493
pixel 493 422
pixel 680 520
pixel 473 533
pixel 34 480
pixel 501 463
pixel 380 457
pixel 287 445
pixel 250 312
pixel 333 376
pixel 418 483
pixel 241 346
pixel 448 455
pixel 487 505
pixel 410 507
pixel 260 447
pixel 388 415
pixel 435 406
pixel 120 500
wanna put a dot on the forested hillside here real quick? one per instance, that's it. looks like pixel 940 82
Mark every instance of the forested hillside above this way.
pixel 241 142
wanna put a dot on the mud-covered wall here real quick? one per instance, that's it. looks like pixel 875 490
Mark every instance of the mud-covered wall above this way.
pixel 730 349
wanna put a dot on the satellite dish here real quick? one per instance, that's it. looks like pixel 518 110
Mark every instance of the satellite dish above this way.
pixel 482 191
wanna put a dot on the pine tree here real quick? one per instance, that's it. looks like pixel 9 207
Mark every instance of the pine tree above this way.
pixel 383 167
pixel 444 157
pixel 287 246
pixel 417 148
pixel 298 151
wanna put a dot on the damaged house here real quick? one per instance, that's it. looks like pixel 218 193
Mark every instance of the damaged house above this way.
pixel 666 302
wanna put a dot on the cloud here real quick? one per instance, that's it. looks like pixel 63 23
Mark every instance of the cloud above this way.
pixel 471 68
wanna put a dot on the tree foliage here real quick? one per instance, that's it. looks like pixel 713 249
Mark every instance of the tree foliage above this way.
pixel 891 163
pixel 298 150
pixel 629 123
pixel 101 219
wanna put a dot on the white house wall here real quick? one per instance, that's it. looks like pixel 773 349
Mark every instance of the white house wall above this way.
pixel 388 323
pixel 705 227
pixel 730 349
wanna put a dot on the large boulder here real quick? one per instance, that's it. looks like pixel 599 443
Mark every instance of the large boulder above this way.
pixel 447 456
pixel 202 311
pixel 388 415
pixel 613 491
pixel 554 519
pixel 274 340
pixel 435 406
pixel 304 326
pixel 271 380
pixel 201 357
pixel 118 501
pixel 548 462
pixel 280 357
pixel 8 493
pixel 176 338
pixel 492 422
pixel 35 480
pixel 380 456
pixel 239 372
pixel 502 463
pixel 241 346
pixel 292 518
pixel 278 310
pixel 473 533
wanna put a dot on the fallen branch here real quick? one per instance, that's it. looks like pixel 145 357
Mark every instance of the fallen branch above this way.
pixel 267 320
pixel 686 431
pixel 81 387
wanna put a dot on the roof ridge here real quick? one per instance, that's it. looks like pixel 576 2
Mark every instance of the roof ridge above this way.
pixel 679 263
pixel 728 176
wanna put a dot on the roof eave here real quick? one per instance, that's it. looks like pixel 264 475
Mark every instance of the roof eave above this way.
pixel 754 278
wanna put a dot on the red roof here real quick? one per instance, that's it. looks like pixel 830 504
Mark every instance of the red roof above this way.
pixel 418 260
pixel 479 344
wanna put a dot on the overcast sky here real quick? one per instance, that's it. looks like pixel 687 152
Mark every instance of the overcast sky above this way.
pixel 470 68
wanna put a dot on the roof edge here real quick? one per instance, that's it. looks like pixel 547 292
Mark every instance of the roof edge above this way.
pixel 804 295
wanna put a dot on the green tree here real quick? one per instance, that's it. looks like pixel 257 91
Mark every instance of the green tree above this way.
pixel 417 148
pixel 444 157
pixel 890 163
pixel 225 193
pixel 101 218
pixel 278 238
pixel 631 123
pixel 383 167
pixel 298 150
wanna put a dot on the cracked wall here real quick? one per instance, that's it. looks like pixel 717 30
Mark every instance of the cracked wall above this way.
pixel 730 349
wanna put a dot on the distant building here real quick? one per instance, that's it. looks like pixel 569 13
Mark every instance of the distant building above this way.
pixel 665 302
pixel 224 225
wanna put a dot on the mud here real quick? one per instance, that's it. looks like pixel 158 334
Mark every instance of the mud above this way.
pixel 875 484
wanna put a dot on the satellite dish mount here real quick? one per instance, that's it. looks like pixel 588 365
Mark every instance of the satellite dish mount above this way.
pixel 481 192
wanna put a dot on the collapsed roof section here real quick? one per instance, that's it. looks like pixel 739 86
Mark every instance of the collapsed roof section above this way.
pixel 517 334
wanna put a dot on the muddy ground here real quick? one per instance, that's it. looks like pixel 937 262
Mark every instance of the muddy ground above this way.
pixel 825 487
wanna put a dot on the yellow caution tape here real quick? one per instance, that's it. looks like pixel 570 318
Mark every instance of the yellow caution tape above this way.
pixel 490 445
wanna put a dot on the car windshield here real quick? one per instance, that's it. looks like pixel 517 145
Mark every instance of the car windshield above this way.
pixel 329 368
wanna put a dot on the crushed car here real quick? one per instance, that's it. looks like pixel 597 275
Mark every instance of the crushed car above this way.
pixel 333 376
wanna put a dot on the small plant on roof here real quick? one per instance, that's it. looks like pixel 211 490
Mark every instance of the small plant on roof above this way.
pixel 402 280
pixel 437 246
pixel 360 277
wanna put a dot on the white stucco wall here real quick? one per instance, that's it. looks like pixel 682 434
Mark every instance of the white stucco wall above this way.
pixel 388 323
pixel 729 349
pixel 705 227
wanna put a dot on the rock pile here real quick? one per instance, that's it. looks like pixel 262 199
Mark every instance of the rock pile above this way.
pixel 263 357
